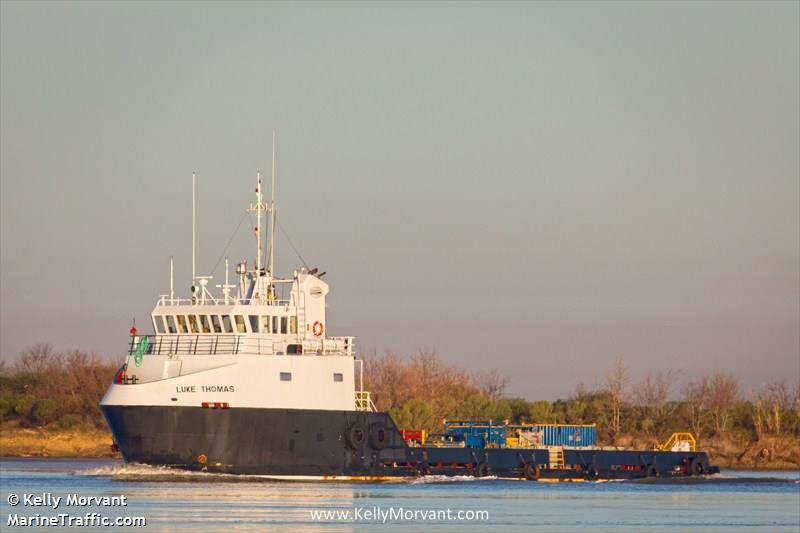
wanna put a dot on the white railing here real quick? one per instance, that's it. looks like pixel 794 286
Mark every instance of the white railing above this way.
pixel 232 344
pixel 364 402
pixel 329 346
pixel 165 301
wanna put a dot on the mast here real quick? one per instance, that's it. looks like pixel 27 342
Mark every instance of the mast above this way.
pixel 193 231
pixel 259 207
pixel 272 215
pixel 226 289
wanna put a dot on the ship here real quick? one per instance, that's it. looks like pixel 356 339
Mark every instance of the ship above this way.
pixel 247 380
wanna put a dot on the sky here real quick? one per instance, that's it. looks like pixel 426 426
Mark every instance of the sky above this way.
pixel 539 188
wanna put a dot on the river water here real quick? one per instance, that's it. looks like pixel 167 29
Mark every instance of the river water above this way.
pixel 181 501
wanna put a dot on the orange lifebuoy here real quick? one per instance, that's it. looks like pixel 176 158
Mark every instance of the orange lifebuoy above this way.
pixel 317 329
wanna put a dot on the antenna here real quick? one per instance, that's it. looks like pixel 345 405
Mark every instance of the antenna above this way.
pixel 272 213
pixel 258 225
pixel 193 230
pixel 258 208
pixel 171 280
pixel 226 288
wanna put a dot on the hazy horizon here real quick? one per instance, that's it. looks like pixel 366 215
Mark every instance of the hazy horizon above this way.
pixel 538 188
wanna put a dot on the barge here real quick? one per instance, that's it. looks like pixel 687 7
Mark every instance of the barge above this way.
pixel 248 381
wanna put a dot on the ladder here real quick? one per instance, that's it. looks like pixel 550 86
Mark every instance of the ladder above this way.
pixel 555 456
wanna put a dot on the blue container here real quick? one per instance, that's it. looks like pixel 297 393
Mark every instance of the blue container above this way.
pixel 567 435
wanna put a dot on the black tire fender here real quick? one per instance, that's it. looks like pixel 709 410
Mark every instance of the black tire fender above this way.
pixel 355 436
pixel 592 473
pixel 696 467
pixel 531 471
pixel 422 469
pixel 378 435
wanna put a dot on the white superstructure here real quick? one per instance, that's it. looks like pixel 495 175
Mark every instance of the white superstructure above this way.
pixel 264 346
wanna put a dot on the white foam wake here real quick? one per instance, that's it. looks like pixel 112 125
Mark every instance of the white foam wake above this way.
pixel 142 472
pixel 449 479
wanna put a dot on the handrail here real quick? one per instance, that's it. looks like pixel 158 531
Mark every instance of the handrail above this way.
pixel 364 402
pixel 676 438
pixel 186 344
pixel 166 301
pixel 234 343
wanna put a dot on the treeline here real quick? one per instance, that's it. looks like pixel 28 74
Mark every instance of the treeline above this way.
pixel 421 390
pixel 59 389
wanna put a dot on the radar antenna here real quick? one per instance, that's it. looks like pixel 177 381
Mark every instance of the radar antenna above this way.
pixel 272 215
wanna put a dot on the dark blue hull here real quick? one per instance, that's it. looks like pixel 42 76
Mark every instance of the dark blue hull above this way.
pixel 300 443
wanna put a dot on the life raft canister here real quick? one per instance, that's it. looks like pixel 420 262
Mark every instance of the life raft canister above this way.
pixel 318 329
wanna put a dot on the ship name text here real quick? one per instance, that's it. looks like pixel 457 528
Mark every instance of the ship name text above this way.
pixel 204 388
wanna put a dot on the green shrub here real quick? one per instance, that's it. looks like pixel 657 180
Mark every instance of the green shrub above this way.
pixel 69 420
pixel 44 411
pixel 24 404
pixel 415 414
pixel 5 409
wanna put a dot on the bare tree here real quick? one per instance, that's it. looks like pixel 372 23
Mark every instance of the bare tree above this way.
pixel 652 392
pixel 394 380
pixel 771 403
pixel 697 398
pixel 386 376
pixel 616 383
pixel 723 393
pixel 36 359
pixel 492 384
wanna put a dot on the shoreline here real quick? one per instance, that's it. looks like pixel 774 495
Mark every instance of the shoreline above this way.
pixel 88 443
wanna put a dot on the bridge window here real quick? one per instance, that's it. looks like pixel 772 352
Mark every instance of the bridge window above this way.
pixel 264 324
pixel 253 323
pixel 171 324
pixel 193 324
pixel 215 323
pixel 182 324
pixel 286 376
pixel 284 322
pixel 338 377
pixel 159 323
pixel 240 323
pixel 274 324
pixel 226 323
pixel 204 324
pixel 292 324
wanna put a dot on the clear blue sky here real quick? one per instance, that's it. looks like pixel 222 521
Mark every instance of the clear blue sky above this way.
pixel 533 187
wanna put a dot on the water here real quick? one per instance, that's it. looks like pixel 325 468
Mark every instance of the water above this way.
pixel 182 501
